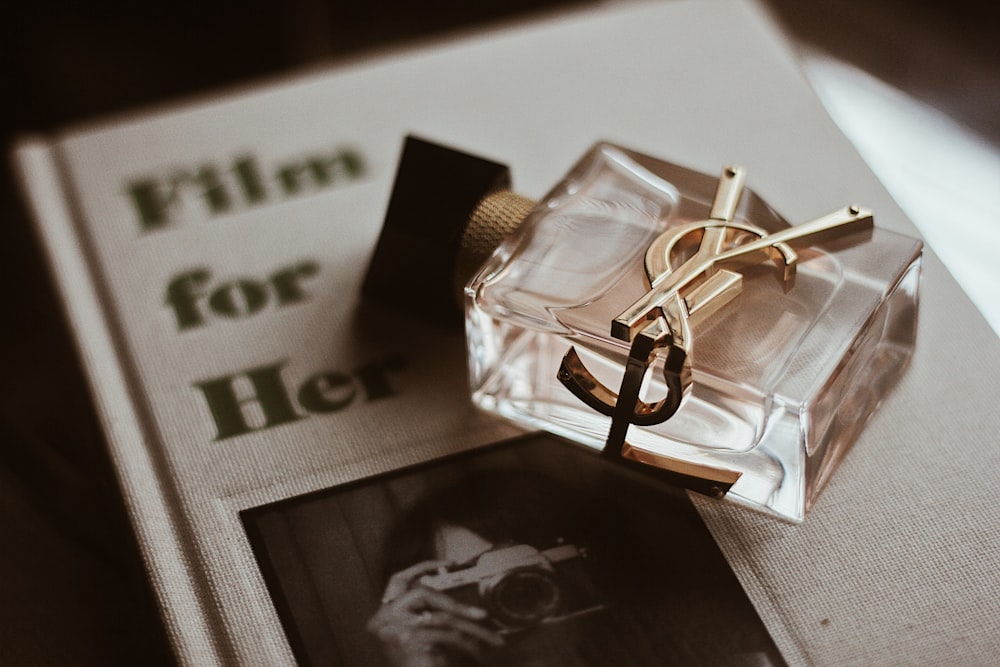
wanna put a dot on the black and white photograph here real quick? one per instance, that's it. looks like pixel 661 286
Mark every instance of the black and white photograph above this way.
pixel 528 552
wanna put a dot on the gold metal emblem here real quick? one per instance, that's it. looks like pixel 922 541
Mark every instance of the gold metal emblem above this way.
pixel 659 324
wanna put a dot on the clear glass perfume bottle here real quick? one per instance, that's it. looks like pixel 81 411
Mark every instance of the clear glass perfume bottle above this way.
pixel 778 377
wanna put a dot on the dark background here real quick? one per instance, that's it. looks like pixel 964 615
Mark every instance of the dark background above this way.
pixel 73 590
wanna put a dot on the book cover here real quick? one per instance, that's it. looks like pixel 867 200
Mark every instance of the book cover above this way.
pixel 210 258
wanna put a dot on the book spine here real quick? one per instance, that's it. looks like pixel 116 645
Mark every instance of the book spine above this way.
pixel 148 493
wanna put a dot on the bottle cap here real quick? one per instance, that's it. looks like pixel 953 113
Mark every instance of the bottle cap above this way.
pixel 427 236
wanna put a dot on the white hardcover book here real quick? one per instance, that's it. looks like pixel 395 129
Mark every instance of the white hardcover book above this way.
pixel 210 257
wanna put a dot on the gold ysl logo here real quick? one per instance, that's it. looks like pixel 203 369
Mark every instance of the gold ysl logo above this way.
pixel 659 323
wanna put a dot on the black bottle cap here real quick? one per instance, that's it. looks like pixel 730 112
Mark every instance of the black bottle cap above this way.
pixel 435 192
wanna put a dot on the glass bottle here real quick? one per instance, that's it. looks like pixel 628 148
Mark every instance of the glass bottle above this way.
pixel 780 376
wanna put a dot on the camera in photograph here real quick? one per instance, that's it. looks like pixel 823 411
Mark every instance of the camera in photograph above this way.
pixel 521 586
